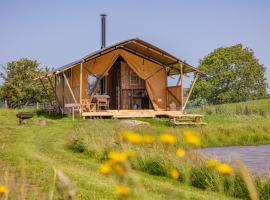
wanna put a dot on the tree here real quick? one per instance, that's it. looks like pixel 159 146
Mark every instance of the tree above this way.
pixel 233 74
pixel 19 87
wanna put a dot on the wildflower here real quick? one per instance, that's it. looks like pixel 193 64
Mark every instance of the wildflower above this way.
pixel 105 168
pixel 191 138
pixel 122 190
pixel 213 163
pixel 118 156
pixel 168 138
pixel 224 168
pixel 149 139
pixel 132 137
pixel 119 169
pixel 175 174
pixel 180 152
pixel 3 189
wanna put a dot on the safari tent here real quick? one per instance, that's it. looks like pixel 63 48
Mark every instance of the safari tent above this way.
pixel 128 79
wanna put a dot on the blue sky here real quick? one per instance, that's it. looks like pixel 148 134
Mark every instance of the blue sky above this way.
pixel 58 32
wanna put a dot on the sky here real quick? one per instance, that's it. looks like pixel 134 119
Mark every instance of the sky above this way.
pixel 58 32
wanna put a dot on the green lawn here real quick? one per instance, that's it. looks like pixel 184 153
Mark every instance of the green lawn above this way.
pixel 40 149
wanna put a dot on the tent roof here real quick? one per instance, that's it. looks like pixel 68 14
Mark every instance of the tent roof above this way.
pixel 142 49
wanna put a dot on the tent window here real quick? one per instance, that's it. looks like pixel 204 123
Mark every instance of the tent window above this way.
pixel 134 78
pixel 93 81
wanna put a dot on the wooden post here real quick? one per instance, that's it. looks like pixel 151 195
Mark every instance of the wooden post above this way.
pixel 81 88
pixel 63 93
pixel 73 113
pixel 55 93
pixel 190 90
pixel 182 87
pixel 37 105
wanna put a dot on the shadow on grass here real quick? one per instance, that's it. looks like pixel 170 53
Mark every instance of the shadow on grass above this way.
pixel 49 115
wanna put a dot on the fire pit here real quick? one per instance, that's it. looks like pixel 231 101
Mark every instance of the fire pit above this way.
pixel 23 116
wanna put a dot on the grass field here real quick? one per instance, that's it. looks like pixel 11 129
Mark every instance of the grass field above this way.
pixel 38 150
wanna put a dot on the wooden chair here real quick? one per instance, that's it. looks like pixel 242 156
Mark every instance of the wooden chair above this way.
pixel 88 106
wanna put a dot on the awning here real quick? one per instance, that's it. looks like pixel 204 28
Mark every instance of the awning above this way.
pixel 142 49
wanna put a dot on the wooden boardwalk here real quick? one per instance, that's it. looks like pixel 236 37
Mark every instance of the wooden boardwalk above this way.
pixel 138 113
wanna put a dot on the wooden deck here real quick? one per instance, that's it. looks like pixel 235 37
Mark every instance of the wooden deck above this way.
pixel 135 113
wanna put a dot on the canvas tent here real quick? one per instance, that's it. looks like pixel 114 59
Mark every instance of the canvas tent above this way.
pixel 129 58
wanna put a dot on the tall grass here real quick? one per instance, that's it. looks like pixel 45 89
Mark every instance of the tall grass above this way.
pixel 96 140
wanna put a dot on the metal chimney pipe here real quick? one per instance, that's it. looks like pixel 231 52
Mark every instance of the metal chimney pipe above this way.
pixel 103 30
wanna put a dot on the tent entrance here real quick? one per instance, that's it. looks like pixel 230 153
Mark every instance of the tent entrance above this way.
pixel 126 89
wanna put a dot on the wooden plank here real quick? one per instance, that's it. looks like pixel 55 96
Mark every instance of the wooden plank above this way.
pixel 137 113
pixel 174 96
pixel 70 105
pixel 70 90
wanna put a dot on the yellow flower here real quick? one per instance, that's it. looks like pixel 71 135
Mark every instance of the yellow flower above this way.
pixel 118 156
pixel 175 174
pixel 122 190
pixel 3 189
pixel 168 138
pixel 213 163
pixel 149 139
pixel 132 137
pixel 105 168
pixel 191 138
pixel 180 152
pixel 224 168
pixel 119 169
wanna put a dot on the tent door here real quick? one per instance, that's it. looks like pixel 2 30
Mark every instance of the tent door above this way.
pixel 113 85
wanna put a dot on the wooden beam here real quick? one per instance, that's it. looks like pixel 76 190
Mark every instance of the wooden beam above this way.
pixel 190 90
pixel 63 92
pixel 178 81
pixel 70 90
pixel 182 87
pixel 143 56
pixel 81 86
pixel 162 53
